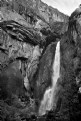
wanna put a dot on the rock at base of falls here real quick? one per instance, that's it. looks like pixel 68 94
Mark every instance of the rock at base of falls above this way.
pixel 45 103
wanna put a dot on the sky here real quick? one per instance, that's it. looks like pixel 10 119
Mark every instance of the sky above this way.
pixel 64 6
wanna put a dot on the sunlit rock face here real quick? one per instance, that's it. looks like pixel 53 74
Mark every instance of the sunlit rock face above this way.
pixel 36 13
pixel 32 65
pixel 50 14
pixel 49 99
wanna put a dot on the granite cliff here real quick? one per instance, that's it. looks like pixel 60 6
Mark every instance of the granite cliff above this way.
pixel 29 32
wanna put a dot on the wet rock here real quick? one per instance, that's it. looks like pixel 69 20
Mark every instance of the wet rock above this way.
pixel 44 72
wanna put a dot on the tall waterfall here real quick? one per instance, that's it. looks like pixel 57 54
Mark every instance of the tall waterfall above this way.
pixel 49 100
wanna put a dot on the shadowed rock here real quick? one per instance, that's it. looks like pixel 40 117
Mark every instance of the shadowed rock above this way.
pixel 44 72
pixel 21 33
pixel 11 82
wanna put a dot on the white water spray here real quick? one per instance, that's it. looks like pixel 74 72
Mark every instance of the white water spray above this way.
pixel 49 100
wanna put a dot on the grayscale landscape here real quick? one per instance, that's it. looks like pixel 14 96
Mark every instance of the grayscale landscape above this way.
pixel 40 62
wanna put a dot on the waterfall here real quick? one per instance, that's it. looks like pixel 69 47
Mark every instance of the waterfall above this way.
pixel 49 100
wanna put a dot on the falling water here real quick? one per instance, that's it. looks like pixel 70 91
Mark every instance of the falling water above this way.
pixel 48 101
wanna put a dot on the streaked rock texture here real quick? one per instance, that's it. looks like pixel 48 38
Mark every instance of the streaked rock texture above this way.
pixel 29 32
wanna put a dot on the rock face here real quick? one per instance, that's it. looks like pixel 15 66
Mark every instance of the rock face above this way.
pixel 35 12
pixel 70 68
pixel 38 7
pixel 70 72
pixel 44 73
pixel 24 25
pixel 11 81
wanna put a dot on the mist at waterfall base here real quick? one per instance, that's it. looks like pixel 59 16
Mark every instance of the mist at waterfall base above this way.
pixel 49 99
